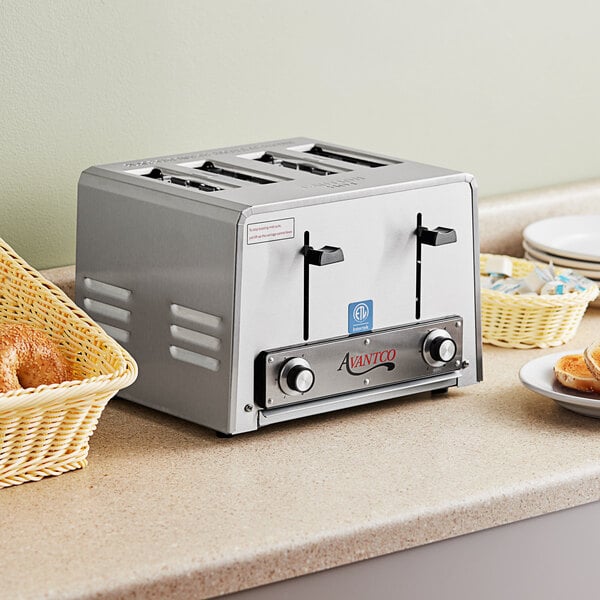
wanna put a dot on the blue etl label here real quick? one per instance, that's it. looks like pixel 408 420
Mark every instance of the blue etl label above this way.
pixel 360 316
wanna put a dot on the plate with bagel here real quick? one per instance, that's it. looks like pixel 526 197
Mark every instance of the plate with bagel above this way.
pixel 571 378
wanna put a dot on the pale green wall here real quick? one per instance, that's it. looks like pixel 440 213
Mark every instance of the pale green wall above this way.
pixel 508 90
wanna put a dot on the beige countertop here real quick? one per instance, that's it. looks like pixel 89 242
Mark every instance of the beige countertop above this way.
pixel 166 509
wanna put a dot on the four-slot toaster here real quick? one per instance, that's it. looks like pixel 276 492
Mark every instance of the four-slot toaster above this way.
pixel 262 283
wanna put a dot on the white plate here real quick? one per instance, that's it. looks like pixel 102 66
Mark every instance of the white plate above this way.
pixel 584 267
pixel 538 375
pixel 572 236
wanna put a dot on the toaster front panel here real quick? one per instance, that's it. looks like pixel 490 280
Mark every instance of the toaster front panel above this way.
pixel 328 271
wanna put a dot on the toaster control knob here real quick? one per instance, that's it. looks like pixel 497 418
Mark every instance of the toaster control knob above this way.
pixel 438 348
pixel 296 377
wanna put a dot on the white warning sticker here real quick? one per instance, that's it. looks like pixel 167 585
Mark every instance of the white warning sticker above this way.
pixel 271 231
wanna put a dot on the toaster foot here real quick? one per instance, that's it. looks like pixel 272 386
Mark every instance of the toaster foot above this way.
pixel 443 390
pixel 220 434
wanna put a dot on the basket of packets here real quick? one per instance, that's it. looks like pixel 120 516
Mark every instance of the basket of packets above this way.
pixel 530 305
pixel 58 369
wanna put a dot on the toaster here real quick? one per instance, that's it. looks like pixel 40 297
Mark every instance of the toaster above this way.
pixel 262 283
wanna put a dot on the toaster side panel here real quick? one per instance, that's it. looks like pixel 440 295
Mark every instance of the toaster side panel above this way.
pixel 157 272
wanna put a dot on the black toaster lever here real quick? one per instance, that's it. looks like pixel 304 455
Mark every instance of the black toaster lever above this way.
pixel 440 236
pixel 327 255
pixel 436 237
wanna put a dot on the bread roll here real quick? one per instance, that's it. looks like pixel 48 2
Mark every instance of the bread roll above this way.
pixel 28 358
pixel 591 355
pixel 572 372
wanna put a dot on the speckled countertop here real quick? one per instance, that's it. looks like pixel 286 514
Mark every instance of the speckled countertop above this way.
pixel 166 509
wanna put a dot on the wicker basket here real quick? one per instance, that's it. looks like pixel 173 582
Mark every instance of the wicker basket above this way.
pixel 530 321
pixel 45 430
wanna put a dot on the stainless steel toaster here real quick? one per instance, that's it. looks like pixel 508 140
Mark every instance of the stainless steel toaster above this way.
pixel 262 283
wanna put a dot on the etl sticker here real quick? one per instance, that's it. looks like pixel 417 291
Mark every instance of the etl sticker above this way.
pixel 360 316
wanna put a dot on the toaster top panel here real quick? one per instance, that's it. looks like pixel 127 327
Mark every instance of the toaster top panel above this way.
pixel 261 176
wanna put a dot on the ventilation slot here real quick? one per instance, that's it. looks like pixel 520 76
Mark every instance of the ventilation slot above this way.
pixel 101 310
pixel 345 156
pixel 196 317
pixel 178 179
pixel 288 163
pixel 195 338
pixel 194 358
pixel 121 335
pixel 107 290
pixel 198 342
pixel 211 167
pixel 108 311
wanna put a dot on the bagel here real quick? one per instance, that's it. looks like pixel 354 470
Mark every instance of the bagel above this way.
pixel 591 355
pixel 572 372
pixel 28 358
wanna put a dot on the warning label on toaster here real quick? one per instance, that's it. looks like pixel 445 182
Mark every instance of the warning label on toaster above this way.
pixel 271 231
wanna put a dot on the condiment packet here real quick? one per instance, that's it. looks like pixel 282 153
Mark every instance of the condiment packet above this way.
pixel 498 266
pixel 536 280
pixel 542 280
pixel 507 286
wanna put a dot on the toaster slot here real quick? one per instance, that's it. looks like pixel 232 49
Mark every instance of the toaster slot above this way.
pixel 210 167
pixel 362 160
pixel 178 179
pixel 288 163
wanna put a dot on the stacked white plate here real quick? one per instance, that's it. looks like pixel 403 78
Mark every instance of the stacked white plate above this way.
pixel 571 242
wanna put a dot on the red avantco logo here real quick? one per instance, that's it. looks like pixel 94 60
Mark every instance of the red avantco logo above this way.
pixel 371 360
